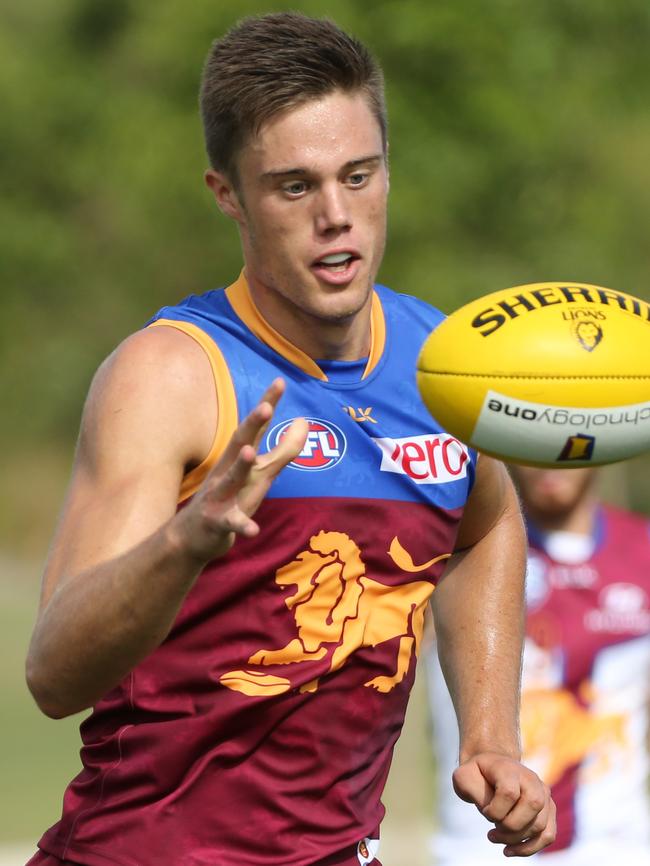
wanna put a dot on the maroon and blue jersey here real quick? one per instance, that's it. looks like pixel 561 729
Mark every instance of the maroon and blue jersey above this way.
pixel 260 732
pixel 587 681
pixel 585 700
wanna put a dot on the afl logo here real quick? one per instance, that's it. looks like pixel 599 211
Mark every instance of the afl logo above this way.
pixel 324 447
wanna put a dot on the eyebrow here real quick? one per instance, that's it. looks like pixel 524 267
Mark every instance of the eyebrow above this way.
pixel 301 172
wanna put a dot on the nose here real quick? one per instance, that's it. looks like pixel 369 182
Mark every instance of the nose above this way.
pixel 333 212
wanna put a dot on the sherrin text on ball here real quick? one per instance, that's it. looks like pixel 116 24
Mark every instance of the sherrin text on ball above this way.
pixel 550 374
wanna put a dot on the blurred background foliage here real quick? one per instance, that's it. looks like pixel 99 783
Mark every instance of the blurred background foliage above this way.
pixel 519 141
pixel 520 135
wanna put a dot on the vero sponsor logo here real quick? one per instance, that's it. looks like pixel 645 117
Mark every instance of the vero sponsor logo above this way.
pixel 324 447
pixel 430 459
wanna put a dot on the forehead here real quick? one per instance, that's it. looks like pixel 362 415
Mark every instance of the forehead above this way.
pixel 322 134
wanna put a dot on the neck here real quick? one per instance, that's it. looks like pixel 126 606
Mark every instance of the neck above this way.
pixel 334 339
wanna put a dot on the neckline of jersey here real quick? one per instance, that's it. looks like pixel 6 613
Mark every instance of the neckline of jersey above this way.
pixel 239 296
pixel 343 372
pixel 540 539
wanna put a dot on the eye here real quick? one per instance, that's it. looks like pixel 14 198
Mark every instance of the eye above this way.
pixel 359 178
pixel 295 188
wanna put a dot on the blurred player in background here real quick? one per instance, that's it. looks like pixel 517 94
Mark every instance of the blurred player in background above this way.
pixel 249 677
pixel 586 680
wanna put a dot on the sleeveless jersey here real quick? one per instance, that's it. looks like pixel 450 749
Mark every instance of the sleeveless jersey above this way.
pixel 585 698
pixel 260 732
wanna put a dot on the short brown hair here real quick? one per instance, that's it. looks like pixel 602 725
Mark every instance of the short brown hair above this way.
pixel 271 63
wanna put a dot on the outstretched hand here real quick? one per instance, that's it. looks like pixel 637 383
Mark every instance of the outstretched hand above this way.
pixel 224 505
pixel 512 797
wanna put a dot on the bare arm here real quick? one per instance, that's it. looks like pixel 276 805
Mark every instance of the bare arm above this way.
pixel 478 611
pixel 123 559
pixel 479 615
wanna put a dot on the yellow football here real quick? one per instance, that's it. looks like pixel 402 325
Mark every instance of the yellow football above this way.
pixel 550 374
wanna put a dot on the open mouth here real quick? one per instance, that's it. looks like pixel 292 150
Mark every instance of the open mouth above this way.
pixel 337 263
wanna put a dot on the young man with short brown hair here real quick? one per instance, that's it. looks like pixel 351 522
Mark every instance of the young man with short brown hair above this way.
pixel 241 601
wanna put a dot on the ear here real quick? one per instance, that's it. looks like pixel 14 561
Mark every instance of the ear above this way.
pixel 224 194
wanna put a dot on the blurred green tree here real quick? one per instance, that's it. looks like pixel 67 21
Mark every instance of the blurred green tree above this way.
pixel 519 134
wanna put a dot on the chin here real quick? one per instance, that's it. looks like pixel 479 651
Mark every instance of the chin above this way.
pixel 550 508
pixel 340 310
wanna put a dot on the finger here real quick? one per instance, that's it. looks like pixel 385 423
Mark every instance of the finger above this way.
pixel 532 845
pixel 509 780
pixel 472 786
pixel 505 798
pixel 247 433
pixel 267 466
pixel 273 393
pixel 287 449
pixel 538 836
pixel 524 817
pixel 507 836
pixel 263 427
pixel 271 396
pixel 236 521
pixel 230 482
pixel 252 428
pixel 233 519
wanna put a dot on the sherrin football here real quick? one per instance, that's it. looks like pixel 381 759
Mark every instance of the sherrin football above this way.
pixel 549 374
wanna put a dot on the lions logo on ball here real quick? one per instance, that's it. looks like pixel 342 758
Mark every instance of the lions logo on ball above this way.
pixel 324 447
pixel 589 335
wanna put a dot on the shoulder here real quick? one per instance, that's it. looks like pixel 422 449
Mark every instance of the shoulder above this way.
pixel 404 305
pixel 203 310
pixel 630 523
pixel 153 358
pixel 156 392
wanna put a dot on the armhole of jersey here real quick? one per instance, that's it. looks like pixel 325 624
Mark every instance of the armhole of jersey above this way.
pixel 226 404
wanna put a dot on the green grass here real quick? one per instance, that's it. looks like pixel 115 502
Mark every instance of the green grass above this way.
pixel 39 756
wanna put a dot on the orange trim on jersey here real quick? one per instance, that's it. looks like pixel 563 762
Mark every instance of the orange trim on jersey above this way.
pixel 242 303
pixel 377 335
pixel 226 403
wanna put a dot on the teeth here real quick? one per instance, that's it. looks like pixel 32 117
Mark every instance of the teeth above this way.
pixel 336 259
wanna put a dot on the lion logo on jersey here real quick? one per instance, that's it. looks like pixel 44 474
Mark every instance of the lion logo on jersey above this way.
pixel 337 609
pixel 559 732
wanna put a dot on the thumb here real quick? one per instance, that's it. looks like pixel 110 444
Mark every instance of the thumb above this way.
pixel 471 785
pixel 287 449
